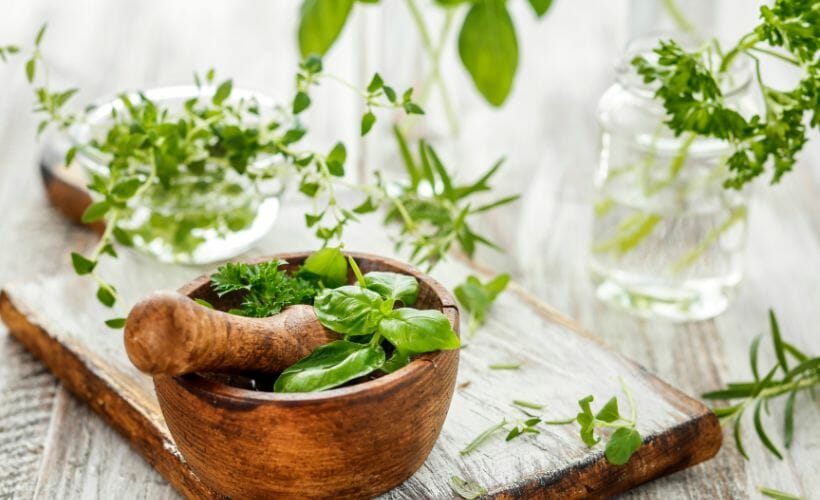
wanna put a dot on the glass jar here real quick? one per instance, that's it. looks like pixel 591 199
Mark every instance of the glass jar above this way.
pixel 203 215
pixel 667 237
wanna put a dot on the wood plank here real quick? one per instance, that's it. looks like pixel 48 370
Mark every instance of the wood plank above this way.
pixel 58 319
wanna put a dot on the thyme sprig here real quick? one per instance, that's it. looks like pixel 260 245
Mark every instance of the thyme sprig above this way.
pixel 794 372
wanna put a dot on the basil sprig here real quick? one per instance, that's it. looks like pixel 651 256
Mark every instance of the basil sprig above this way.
pixel 366 315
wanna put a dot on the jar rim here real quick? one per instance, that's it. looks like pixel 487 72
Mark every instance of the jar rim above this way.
pixel 739 72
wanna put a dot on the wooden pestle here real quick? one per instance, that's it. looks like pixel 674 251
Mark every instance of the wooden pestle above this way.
pixel 168 333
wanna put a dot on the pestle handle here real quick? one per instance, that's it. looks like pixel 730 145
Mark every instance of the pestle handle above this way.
pixel 168 333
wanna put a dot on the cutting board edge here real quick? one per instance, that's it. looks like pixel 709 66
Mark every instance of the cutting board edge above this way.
pixel 76 375
pixel 701 435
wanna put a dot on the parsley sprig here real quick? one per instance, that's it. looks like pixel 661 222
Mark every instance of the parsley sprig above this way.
pixel 689 87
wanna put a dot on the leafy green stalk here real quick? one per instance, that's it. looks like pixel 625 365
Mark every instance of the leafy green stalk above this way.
pixel 477 298
pixel 756 394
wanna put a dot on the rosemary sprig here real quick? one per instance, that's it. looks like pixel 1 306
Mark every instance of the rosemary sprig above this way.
pixel 801 375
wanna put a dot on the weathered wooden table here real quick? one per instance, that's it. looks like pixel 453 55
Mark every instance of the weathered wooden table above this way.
pixel 51 446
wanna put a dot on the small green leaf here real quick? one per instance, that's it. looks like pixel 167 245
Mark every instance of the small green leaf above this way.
pixel 115 323
pixel 737 432
pixel 540 6
pixel 222 92
pixel 204 303
pixel 95 212
pixel 40 33
pixel 127 188
pixel 397 361
pixel 293 135
pixel 366 207
pixel 349 310
pixel 122 237
pixel 390 93
pixel 300 102
pixel 753 350
pixel 329 366
pixel 416 331
pixel 621 445
pixel 30 67
pixel 788 420
pixel 488 47
pixel 764 438
pixel 106 295
pixel 312 63
pixel 327 265
pixel 81 264
pixel 393 286
pixel 311 219
pixel 527 404
pixel 375 83
pixel 336 160
pixel 776 494
pixel 412 108
pixel 778 342
pixel 368 119
pixel 69 156
pixel 481 438
pixel 320 23
pixel 466 489
pixel 309 188
pixel 609 413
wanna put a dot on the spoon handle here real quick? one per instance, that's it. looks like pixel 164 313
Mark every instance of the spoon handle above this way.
pixel 168 333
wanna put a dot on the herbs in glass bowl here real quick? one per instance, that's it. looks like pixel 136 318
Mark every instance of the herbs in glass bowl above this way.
pixel 188 174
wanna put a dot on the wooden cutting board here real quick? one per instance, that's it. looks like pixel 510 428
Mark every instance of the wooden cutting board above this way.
pixel 58 319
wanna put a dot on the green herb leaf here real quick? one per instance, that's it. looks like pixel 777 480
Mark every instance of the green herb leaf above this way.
pixel 106 295
pixel 336 160
pixel 300 102
pixel 396 286
pixel 95 212
pixel 320 23
pixel 488 47
pixel 327 266
pixel 376 83
pixel 609 413
pixel 540 6
pixel 368 119
pixel 397 361
pixel 81 264
pixel 481 438
pixel 415 331
pixel 349 310
pixel 466 489
pixel 777 495
pixel 222 92
pixel 329 366
pixel 621 445
pixel 115 323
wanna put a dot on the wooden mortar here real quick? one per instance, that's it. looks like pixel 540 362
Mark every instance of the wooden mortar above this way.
pixel 355 441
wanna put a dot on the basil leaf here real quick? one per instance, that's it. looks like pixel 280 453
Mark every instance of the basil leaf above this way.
pixel 330 366
pixel 488 48
pixel 393 286
pixel 349 310
pixel 623 443
pixel 398 360
pixel 411 330
pixel 320 23
pixel 327 265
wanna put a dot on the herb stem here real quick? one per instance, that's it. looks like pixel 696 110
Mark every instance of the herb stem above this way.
pixel 434 52
pixel 677 16
pixel 778 55
pixel 628 393
pixel 527 404
pixel 475 443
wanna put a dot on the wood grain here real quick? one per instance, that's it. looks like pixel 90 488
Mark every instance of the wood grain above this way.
pixel 170 334
pixel 677 430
